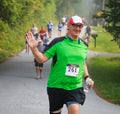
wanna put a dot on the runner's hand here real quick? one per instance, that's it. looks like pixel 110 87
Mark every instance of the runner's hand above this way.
pixel 31 41
pixel 90 83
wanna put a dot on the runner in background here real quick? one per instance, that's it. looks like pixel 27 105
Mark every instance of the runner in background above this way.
pixel 43 36
pixel 50 28
pixel 35 31
pixel 63 20
pixel 26 43
pixel 59 28
pixel 38 65
pixel 88 32
pixel 42 32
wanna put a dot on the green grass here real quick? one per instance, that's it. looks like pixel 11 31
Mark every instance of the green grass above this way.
pixel 105 71
pixel 103 42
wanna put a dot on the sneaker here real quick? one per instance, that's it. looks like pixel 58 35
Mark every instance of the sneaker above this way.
pixel 38 77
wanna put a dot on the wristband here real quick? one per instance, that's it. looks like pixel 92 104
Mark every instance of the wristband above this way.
pixel 86 77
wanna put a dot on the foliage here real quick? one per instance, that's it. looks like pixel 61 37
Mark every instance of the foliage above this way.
pixel 112 17
pixel 16 17
pixel 14 11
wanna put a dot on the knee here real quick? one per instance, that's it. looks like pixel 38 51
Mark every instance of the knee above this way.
pixel 74 108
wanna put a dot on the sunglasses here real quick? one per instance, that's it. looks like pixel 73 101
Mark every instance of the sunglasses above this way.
pixel 76 25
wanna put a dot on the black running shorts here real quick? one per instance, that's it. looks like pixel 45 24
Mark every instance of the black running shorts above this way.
pixel 59 97
pixel 37 64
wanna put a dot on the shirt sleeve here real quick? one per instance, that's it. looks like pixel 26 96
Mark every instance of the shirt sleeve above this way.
pixel 50 52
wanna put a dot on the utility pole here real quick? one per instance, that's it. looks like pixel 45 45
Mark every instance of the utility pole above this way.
pixel 103 4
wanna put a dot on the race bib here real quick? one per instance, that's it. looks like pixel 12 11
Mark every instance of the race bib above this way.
pixel 72 70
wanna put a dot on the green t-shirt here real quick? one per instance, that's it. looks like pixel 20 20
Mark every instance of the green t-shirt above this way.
pixel 67 66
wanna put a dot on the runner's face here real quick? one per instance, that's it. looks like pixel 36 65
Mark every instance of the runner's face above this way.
pixel 75 29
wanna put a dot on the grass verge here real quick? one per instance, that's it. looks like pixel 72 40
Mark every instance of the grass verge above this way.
pixel 103 42
pixel 105 73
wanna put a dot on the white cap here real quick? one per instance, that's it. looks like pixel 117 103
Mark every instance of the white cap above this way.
pixel 75 19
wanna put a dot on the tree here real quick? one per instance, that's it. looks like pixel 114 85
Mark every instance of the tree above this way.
pixel 14 11
pixel 112 17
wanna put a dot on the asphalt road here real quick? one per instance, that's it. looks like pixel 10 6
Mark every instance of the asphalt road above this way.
pixel 21 93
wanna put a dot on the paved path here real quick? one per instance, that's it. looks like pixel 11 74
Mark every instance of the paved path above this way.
pixel 21 93
pixel 105 54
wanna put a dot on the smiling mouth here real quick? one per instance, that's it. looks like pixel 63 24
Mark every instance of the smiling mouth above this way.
pixel 77 32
